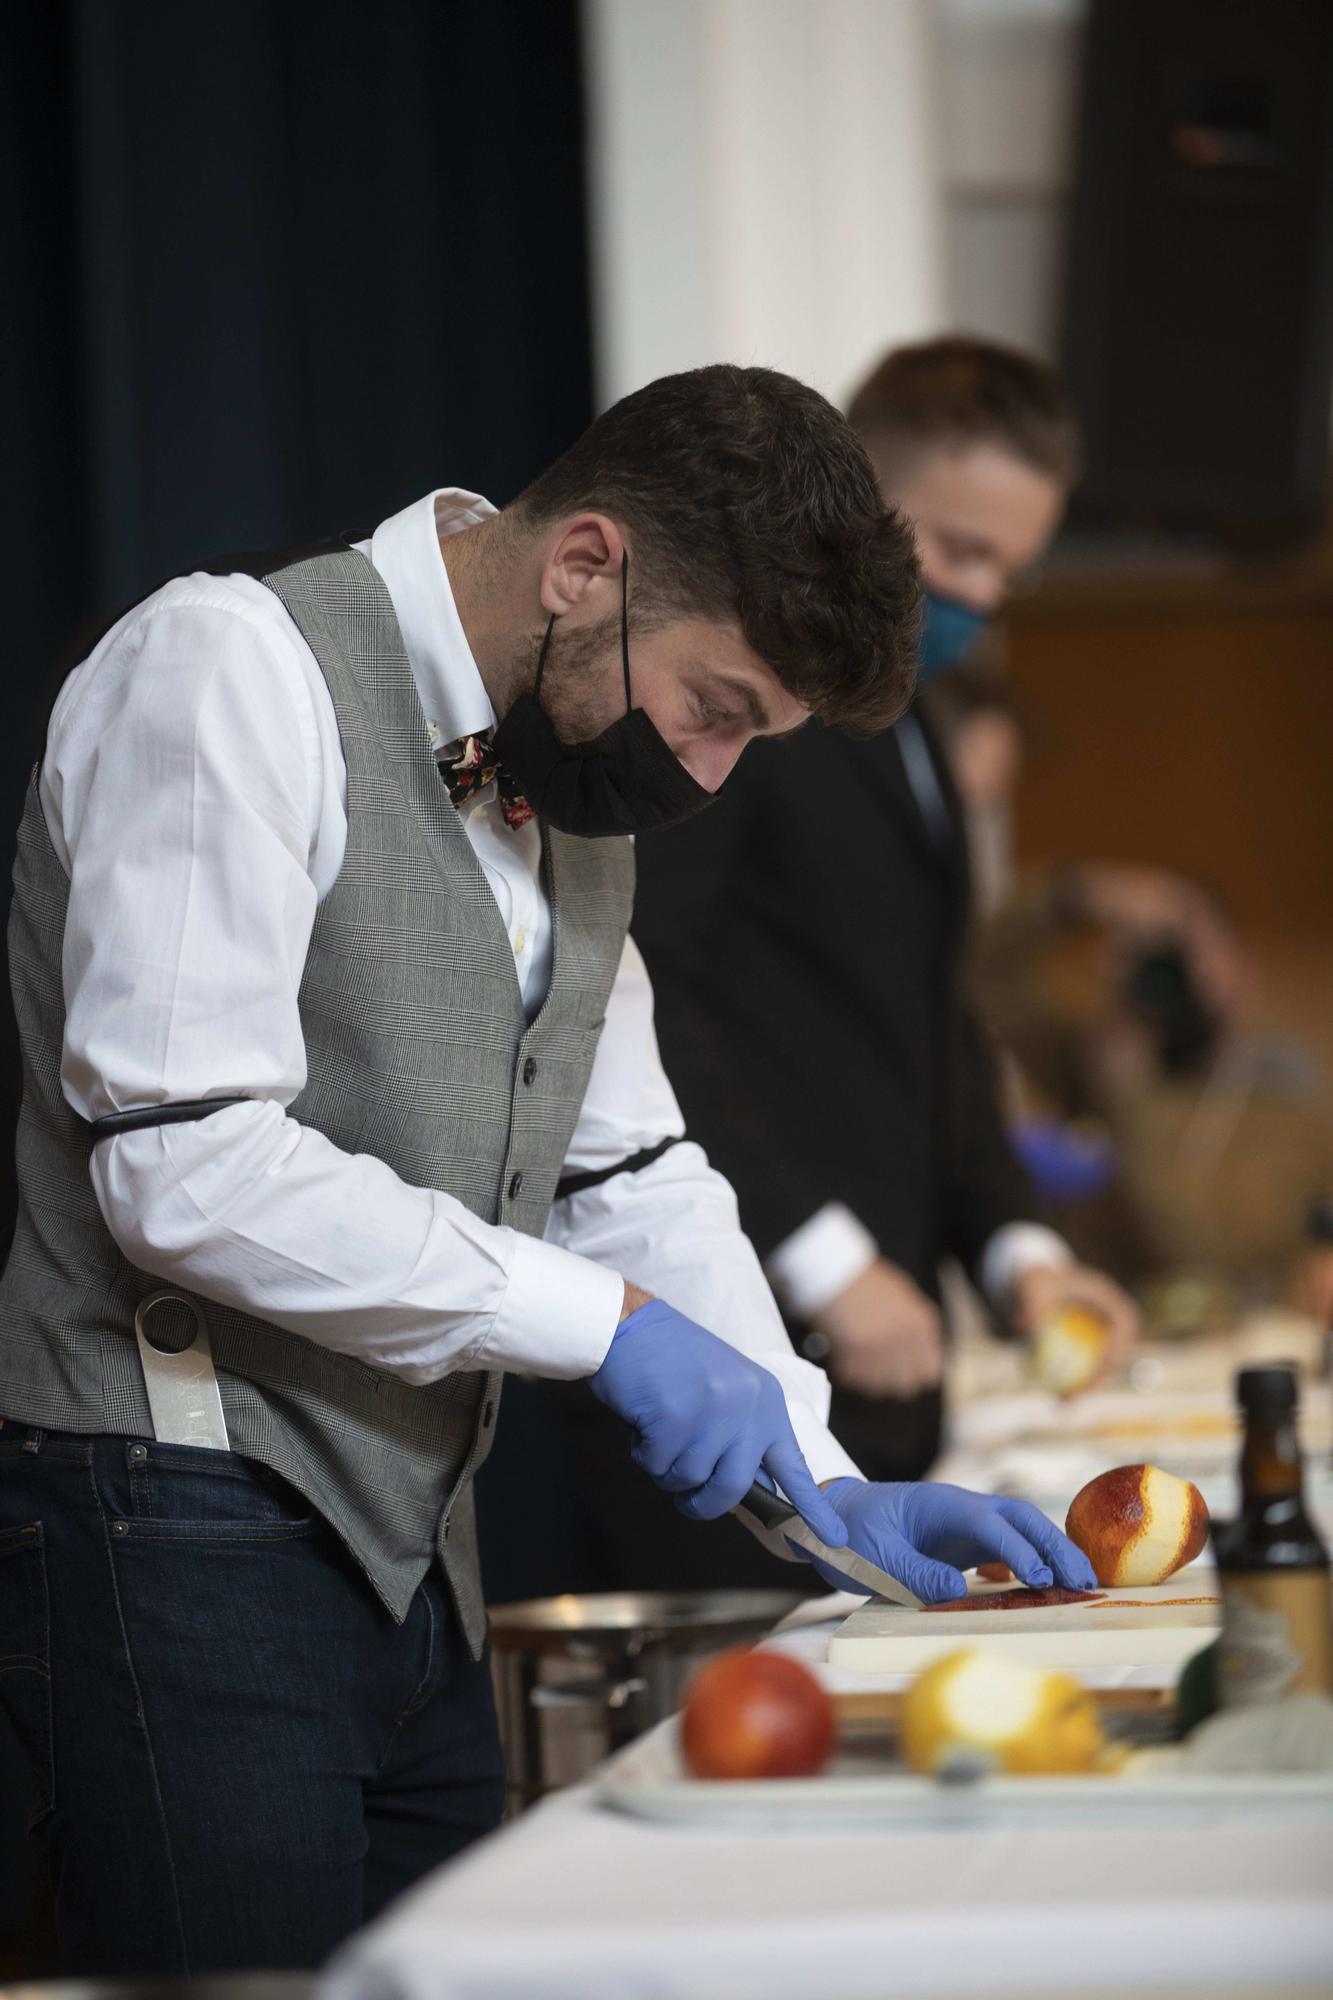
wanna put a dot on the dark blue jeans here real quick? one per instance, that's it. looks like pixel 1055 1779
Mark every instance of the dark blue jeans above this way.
pixel 236 1755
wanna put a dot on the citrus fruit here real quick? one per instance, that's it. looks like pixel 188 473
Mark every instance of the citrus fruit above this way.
pixel 1067 1349
pixel 756 1715
pixel 977 1707
pixel 1138 1525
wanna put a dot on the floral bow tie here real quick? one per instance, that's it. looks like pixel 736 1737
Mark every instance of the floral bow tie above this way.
pixel 469 763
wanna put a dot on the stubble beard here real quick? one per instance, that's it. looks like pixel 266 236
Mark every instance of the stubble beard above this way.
pixel 583 689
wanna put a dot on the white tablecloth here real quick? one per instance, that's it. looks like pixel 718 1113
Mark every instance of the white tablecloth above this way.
pixel 574 1902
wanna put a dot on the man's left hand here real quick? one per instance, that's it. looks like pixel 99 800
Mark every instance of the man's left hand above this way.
pixel 1043 1290
pixel 926 1534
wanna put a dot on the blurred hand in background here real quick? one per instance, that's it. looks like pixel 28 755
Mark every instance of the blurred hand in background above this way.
pixel 1044 1290
pixel 885 1337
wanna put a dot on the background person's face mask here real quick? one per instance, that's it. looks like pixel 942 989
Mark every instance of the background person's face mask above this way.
pixel 626 780
pixel 949 631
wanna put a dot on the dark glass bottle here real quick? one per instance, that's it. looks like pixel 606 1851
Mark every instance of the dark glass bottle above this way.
pixel 1277 1618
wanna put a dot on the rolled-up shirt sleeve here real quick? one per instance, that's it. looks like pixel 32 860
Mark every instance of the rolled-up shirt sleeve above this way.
pixel 177 787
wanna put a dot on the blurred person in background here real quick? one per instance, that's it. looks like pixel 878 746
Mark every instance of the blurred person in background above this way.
pixel 806 946
pixel 1175 1145
pixel 975 716
pixel 1121 994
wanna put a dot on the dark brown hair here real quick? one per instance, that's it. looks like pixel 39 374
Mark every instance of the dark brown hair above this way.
pixel 746 496
pixel 960 391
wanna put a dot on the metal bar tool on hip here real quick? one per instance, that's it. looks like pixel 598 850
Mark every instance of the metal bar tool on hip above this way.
pixel 178 1372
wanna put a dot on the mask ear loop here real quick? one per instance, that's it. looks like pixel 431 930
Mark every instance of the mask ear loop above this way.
pixel 541 657
pixel 624 636
pixel 624 626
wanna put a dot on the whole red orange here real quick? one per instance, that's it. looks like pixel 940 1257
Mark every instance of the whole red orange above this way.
pixel 756 1715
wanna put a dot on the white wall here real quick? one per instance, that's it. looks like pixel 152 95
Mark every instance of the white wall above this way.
pixel 807 182
pixel 764 184
pixel 1008 72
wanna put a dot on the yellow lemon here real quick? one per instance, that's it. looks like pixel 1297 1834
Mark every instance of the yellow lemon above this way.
pixel 975 1707
pixel 1067 1349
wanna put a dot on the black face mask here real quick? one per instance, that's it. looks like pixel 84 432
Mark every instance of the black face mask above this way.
pixel 624 781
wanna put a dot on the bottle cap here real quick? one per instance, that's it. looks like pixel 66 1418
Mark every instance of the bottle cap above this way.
pixel 1267 1388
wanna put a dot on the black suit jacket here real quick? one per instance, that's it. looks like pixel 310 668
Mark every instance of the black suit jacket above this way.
pixel 805 938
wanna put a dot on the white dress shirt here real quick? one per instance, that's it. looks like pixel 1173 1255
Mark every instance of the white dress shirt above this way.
pixel 195 792
pixel 833 1247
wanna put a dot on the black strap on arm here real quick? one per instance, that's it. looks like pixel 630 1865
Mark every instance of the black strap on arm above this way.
pixel 576 1183
pixel 256 563
pixel 187 1110
pixel 184 1112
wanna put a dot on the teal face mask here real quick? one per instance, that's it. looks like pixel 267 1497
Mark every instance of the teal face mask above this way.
pixel 949 632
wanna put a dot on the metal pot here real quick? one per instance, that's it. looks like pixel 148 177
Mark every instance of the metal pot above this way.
pixel 577 1678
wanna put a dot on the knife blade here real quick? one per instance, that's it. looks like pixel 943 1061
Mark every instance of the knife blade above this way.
pixel 772 1511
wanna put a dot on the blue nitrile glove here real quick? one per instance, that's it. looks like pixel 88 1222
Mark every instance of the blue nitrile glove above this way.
pixel 926 1535
pixel 706 1417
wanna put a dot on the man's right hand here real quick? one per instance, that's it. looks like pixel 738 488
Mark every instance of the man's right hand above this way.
pixel 706 1418
pixel 885 1337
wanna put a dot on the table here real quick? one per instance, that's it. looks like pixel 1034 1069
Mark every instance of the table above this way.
pixel 694 1914
pixel 573 1902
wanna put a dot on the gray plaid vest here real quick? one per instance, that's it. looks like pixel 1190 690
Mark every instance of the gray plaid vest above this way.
pixel 418 1052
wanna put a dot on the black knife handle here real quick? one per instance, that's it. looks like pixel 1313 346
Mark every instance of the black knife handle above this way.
pixel 769 1509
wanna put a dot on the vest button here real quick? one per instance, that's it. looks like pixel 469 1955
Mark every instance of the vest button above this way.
pixel 515 1187
pixel 530 1070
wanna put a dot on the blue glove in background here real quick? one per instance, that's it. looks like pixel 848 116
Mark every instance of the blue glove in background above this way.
pixel 927 1534
pixel 706 1417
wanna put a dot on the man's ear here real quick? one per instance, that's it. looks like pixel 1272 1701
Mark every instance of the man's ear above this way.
pixel 581 563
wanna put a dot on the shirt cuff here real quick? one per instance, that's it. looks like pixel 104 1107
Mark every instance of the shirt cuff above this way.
pixel 1019 1247
pixel 559 1314
pixel 820 1259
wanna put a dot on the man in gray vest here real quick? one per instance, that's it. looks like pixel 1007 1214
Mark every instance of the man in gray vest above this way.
pixel 341 1097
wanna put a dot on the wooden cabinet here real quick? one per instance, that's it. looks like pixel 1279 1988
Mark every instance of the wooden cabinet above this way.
pixel 1186 720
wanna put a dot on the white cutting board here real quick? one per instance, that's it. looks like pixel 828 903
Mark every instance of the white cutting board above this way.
pixel 1130 1628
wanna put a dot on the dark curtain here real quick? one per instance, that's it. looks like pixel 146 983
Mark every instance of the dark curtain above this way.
pixel 271 268
pixel 274 267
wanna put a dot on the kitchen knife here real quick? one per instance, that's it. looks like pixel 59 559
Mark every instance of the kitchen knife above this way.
pixel 772 1511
